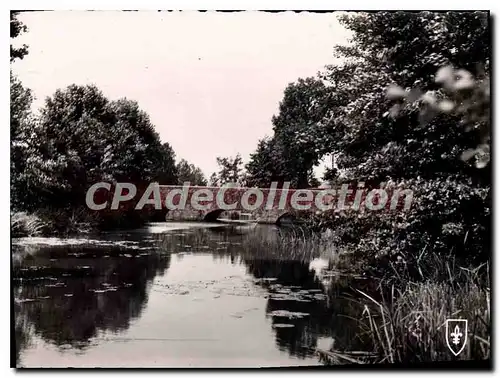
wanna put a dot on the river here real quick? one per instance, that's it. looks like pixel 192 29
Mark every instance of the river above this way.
pixel 173 295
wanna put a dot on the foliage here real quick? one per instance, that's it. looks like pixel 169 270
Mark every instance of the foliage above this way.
pixel 462 96
pixel 17 28
pixel 408 327
pixel 292 152
pixel 417 144
pixel 190 173
pixel 297 128
pixel 24 224
pixel 445 215
pixel 230 171
pixel 81 138
pixel 21 121
pixel 413 145
pixel 406 48
pixel 20 104
pixel 265 165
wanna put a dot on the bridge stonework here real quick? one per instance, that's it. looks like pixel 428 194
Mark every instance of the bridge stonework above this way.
pixel 275 203
pixel 192 203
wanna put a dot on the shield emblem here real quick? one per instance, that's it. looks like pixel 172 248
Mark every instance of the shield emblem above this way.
pixel 456 335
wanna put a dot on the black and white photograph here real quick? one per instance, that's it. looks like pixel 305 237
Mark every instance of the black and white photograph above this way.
pixel 251 189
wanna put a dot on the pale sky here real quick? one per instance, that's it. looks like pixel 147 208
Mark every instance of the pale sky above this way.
pixel 209 81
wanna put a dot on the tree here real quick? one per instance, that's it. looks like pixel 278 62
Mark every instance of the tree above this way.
pixel 21 121
pixel 406 48
pixel 464 96
pixel 298 126
pixel 190 173
pixel 230 171
pixel 403 145
pixel 165 171
pixel 266 165
pixel 292 152
pixel 138 154
pixel 17 28
pixel 83 138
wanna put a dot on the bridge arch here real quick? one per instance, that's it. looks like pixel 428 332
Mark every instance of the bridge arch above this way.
pixel 159 215
pixel 285 218
pixel 212 215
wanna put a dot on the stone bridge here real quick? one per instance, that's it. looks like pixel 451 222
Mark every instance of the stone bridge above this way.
pixel 200 203
pixel 262 205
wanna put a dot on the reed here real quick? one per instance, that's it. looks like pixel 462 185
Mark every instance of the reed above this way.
pixel 408 325
pixel 24 224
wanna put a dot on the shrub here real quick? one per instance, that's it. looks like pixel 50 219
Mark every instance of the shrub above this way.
pixel 404 322
pixel 24 224
pixel 409 327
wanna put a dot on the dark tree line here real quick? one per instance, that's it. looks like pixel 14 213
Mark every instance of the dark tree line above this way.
pixel 80 137
pixel 433 138
pixel 409 107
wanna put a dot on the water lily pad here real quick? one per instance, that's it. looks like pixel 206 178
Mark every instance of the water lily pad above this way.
pixel 24 300
pixel 283 325
pixel 288 314
pixel 283 291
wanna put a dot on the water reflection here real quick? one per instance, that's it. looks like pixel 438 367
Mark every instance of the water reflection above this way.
pixel 296 305
pixel 23 331
pixel 69 295
pixel 295 300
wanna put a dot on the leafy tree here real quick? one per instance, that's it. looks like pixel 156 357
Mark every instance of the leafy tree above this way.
pixel 298 126
pixel 465 97
pixel 21 99
pixel 406 48
pixel 21 120
pixel 17 28
pixel 406 144
pixel 83 138
pixel 230 171
pixel 79 138
pixel 190 173
pixel 165 171
pixel 292 152
pixel 266 165
pixel 138 154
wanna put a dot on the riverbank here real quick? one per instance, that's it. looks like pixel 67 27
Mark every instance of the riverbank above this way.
pixel 166 295
pixel 402 315
pixel 79 221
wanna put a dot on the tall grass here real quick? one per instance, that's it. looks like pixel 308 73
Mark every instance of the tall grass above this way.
pixel 24 224
pixel 407 324
pixel 52 222
pixel 402 318
pixel 288 244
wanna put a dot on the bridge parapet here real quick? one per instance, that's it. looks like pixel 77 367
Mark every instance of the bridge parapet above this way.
pixel 267 205
pixel 207 203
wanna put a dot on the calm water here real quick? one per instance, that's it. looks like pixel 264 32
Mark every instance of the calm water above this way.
pixel 174 295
